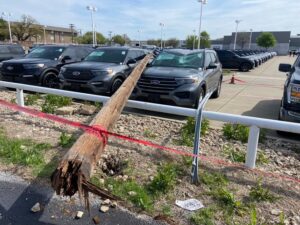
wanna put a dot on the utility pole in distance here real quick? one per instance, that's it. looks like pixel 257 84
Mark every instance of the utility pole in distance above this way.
pixel 72 30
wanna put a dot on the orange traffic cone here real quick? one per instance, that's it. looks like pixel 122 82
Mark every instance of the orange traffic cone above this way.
pixel 232 81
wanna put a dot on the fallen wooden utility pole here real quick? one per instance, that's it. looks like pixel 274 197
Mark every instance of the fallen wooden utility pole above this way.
pixel 76 167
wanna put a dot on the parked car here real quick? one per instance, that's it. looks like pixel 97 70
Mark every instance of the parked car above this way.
pixel 231 60
pixel 102 71
pixel 41 66
pixel 11 51
pixel 180 77
pixel 290 104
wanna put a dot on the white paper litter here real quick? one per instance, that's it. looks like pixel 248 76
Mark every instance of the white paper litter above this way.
pixel 190 204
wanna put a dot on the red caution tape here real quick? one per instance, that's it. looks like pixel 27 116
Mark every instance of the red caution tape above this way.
pixel 103 135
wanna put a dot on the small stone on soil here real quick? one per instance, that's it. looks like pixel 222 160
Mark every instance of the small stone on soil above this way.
pixel 96 220
pixel 79 215
pixel 36 208
pixel 104 208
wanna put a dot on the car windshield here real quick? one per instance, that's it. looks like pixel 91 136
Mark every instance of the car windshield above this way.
pixel 167 59
pixel 107 56
pixel 46 52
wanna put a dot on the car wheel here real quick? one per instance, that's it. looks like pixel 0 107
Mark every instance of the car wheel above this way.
pixel 116 84
pixel 217 92
pixel 199 98
pixel 245 67
pixel 50 80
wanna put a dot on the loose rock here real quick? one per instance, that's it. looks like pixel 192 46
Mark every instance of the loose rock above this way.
pixel 96 219
pixel 66 110
pixel 79 215
pixel 36 208
pixel 104 208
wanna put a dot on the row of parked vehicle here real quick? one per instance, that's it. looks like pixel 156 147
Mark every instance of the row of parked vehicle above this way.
pixel 176 76
pixel 243 60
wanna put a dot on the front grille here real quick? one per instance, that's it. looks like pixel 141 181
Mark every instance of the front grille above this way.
pixel 11 68
pixel 157 85
pixel 84 74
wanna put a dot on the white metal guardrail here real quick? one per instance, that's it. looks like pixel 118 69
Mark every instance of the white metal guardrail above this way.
pixel 254 123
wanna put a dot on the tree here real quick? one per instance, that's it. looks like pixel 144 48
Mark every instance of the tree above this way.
pixel 242 39
pixel 191 41
pixel 127 39
pixel 172 42
pixel 266 40
pixel 4 34
pixel 118 39
pixel 26 28
pixel 87 38
pixel 153 42
pixel 205 40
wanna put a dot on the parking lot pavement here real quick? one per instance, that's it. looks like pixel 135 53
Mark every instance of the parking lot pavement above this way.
pixel 259 95
pixel 17 197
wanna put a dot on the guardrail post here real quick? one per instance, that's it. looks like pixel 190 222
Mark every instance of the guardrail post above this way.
pixel 252 147
pixel 20 97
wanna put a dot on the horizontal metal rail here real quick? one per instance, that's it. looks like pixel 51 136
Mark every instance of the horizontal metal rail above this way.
pixel 254 123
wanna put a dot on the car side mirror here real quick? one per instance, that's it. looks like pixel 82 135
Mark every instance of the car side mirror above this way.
pixel 131 61
pixel 65 58
pixel 285 67
pixel 212 66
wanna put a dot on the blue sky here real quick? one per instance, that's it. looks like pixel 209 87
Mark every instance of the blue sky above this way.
pixel 180 17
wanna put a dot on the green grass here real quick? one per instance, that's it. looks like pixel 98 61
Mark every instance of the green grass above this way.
pixel 260 194
pixel 31 99
pixel 213 180
pixel 165 180
pixel 149 134
pixel 166 210
pixel 66 140
pixel 22 151
pixel 253 217
pixel 203 217
pixel 240 132
pixel 52 102
pixel 187 132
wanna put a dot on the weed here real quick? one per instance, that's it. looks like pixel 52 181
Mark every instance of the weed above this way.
pixel 188 131
pixel 234 154
pixel 66 140
pixel 165 180
pixel 95 180
pixel 166 210
pixel 253 217
pixel 45 171
pixel 281 219
pixel 260 194
pixel 187 161
pixel 52 102
pixel 98 105
pixel 262 158
pixel 13 101
pixel 141 198
pixel 236 132
pixel 213 180
pixel 22 151
pixel 31 99
pixel 149 134
pixel 204 216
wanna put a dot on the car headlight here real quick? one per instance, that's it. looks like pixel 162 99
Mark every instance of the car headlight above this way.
pixel 294 93
pixel 62 70
pixel 33 66
pixel 192 80
pixel 103 72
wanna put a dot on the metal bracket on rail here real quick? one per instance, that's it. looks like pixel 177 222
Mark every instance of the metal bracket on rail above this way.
pixel 197 137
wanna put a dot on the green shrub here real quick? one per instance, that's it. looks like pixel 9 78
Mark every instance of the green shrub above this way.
pixel 203 217
pixel 188 131
pixel 213 180
pixel 31 99
pixel 52 102
pixel 236 132
pixel 66 140
pixel 149 134
pixel 234 155
pixel 260 194
pixel 165 180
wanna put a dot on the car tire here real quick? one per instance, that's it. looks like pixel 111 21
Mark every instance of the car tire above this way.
pixel 245 67
pixel 199 98
pixel 217 92
pixel 115 85
pixel 50 80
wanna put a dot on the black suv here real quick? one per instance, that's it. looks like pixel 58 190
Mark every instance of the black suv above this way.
pixel 102 71
pixel 10 52
pixel 42 65
pixel 180 77
pixel 290 105
pixel 231 60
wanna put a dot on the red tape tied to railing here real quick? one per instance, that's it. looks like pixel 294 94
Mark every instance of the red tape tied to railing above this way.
pixel 103 135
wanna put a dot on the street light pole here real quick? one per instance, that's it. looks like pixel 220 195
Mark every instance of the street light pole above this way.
pixel 236 30
pixel 93 9
pixel 194 39
pixel 139 31
pixel 161 34
pixel 202 2
pixel 8 21
pixel 250 38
